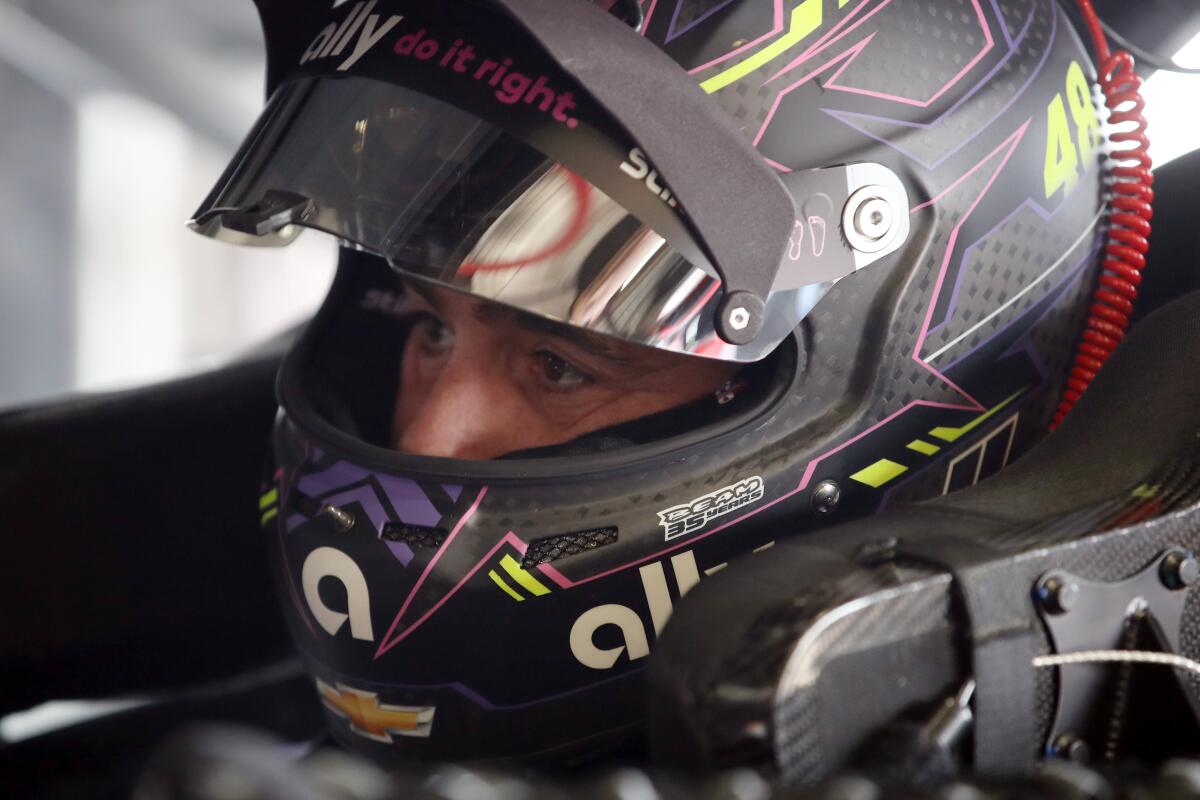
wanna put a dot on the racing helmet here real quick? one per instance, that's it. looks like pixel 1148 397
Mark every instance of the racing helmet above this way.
pixel 886 212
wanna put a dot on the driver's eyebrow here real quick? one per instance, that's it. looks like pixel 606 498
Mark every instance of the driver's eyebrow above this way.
pixel 591 343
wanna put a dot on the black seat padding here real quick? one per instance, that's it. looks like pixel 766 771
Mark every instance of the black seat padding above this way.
pixel 133 561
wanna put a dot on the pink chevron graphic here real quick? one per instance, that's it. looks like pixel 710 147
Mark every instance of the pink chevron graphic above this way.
pixel 857 120
pixel 846 58
pixel 1008 146
pixel 509 538
pixel 388 643
pixel 845 55
pixel 646 17
pixel 833 35
pixel 989 43
pixel 776 29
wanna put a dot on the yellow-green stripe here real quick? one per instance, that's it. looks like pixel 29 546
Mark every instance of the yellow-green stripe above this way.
pixel 508 589
pixel 530 583
pixel 268 499
pixel 923 447
pixel 878 473
pixel 953 434
pixel 270 515
pixel 805 19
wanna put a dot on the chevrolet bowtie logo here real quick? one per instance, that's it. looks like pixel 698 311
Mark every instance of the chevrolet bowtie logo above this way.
pixel 370 719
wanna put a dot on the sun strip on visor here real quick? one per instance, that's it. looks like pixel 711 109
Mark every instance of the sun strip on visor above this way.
pixel 701 155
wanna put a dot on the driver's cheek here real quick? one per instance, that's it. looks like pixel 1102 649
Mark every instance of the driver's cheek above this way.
pixel 463 405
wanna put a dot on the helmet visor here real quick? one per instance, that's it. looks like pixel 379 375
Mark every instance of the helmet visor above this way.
pixel 450 198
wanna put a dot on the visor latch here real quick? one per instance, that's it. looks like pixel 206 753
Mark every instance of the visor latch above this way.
pixel 277 209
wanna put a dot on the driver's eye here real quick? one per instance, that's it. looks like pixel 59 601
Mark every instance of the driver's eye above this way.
pixel 560 374
pixel 433 335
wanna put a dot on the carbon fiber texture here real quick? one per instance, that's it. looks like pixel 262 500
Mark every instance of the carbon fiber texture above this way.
pixel 802 750
pixel 805 712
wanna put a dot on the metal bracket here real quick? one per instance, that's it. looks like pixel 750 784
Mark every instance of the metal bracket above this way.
pixel 847 218
pixel 1086 615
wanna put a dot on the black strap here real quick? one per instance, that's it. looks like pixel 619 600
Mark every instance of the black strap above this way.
pixel 737 208
pixel 1003 644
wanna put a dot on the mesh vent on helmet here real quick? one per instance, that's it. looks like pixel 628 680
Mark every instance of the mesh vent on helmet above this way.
pixel 413 535
pixel 552 548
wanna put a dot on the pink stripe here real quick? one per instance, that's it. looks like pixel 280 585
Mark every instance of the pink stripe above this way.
pixel 648 15
pixel 966 174
pixel 550 572
pixel 1011 142
pixel 429 567
pixel 987 33
pixel 978 406
pixel 777 165
pixel 508 538
pixel 849 53
pixel 825 40
pixel 748 45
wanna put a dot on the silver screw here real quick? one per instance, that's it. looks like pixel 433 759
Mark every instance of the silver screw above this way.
pixel 825 497
pixel 344 520
pixel 873 219
pixel 869 219
pixel 739 318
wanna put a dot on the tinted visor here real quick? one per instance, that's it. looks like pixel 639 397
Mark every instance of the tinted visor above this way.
pixel 450 198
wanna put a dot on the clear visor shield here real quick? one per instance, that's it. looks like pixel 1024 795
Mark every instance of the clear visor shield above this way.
pixel 449 198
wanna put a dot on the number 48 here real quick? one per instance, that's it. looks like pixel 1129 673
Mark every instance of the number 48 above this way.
pixel 1062 157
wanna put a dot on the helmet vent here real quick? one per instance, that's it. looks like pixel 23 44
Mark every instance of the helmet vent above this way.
pixel 413 535
pixel 553 548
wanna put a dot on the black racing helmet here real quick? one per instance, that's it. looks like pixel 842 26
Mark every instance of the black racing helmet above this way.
pixel 887 212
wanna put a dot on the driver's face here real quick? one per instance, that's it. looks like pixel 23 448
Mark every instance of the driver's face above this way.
pixel 479 381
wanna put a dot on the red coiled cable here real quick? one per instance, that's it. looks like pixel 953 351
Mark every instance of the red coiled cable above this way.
pixel 1130 196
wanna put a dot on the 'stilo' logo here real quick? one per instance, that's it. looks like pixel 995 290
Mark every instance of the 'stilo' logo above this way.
pixel 692 517
pixel 639 169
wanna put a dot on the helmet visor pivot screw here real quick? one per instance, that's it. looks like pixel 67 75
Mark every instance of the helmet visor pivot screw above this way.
pixel 869 219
